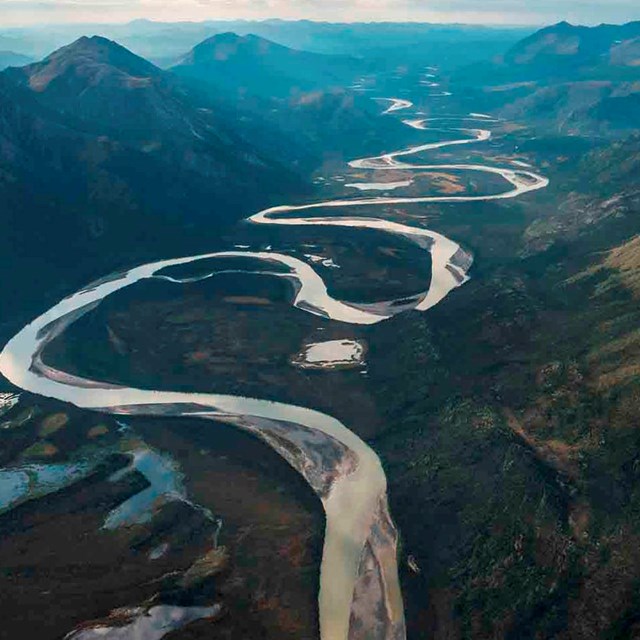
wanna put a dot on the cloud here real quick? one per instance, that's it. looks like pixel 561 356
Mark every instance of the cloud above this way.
pixel 477 11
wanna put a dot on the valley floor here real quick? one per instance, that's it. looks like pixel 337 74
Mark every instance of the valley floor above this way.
pixel 506 419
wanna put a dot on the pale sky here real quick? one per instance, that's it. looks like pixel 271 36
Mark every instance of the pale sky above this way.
pixel 26 12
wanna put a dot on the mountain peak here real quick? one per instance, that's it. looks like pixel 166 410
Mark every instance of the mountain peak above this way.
pixel 101 50
pixel 87 61
pixel 230 38
pixel 227 36
pixel 250 65
pixel 89 44
pixel 229 46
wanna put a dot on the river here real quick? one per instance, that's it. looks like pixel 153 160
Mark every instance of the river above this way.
pixel 360 539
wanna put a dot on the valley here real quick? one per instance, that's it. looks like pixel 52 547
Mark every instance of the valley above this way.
pixel 341 566
pixel 465 444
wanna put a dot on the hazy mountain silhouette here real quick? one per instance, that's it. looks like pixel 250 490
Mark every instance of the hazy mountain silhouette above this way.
pixel 11 59
pixel 252 65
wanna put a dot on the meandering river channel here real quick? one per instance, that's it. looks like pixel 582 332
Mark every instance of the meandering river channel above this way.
pixel 359 590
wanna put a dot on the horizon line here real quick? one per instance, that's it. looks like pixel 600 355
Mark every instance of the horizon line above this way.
pixel 488 25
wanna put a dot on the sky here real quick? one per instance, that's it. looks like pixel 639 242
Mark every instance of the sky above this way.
pixel 28 12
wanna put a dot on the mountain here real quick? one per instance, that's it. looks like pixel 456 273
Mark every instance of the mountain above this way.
pixel 576 80
pixel 616 166
pixel 297 94
pixel 106 90
pixel 625 53
pixel 11 59
pixel 599 191
pixel 565 49
pixel 105 160
pixel 65 214
pixel 390 44
pixel 252 65
pixel 563 52
pixel 104 85
pixel 90 78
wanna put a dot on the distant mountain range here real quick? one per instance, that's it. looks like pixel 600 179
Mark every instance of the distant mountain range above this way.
pixel 390 44
pixel 565 52
pixel 11 59
pixel 568 51
pixel 577 80
pixel 587 108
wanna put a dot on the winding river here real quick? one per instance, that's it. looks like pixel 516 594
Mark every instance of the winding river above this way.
pixel 359 589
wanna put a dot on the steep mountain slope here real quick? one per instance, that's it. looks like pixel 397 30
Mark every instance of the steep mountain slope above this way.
pixel 616 166
pixel 602 187
pixel 108 91
pixel 65 213
pixel 625 53
pixel 253 65
pixel 106 160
